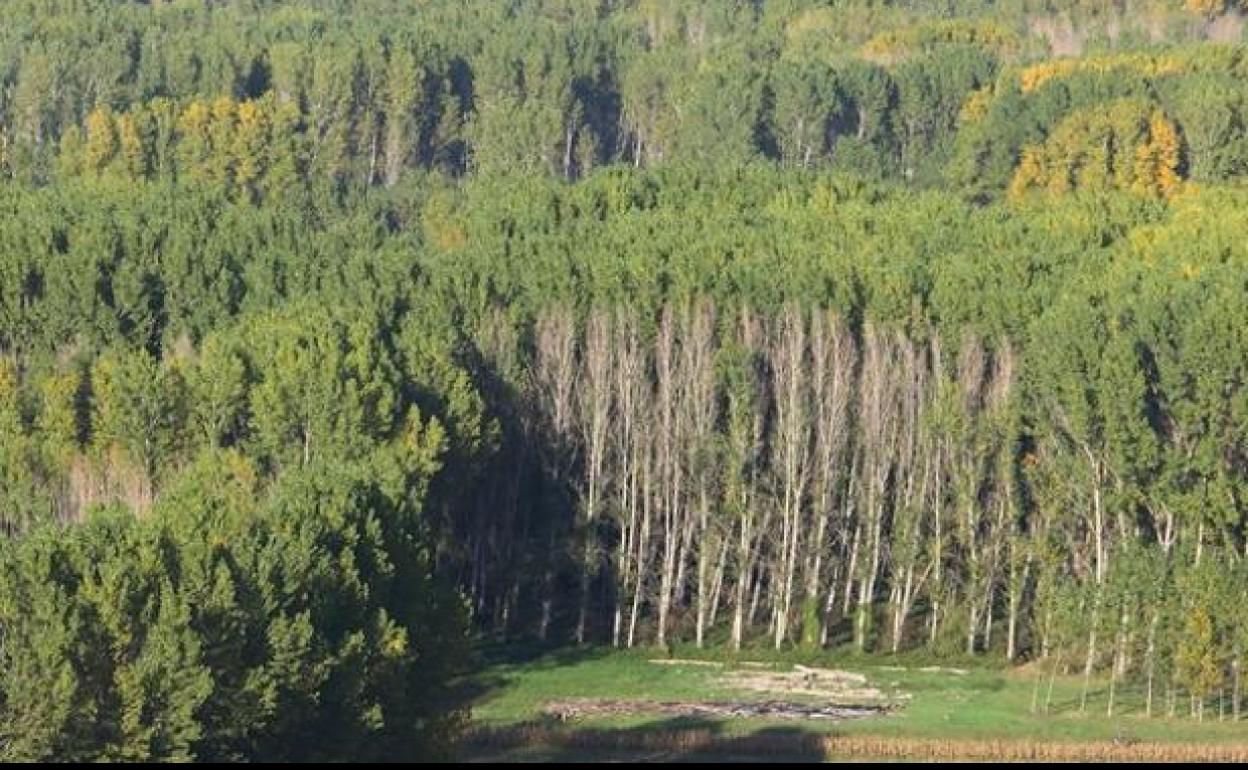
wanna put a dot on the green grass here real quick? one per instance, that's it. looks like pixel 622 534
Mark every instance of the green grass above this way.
pixel 985 703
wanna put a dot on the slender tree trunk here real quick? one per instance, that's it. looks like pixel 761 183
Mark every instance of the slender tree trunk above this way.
pixel 902 608
pixel 548 590
pixel 717 583
pixel 1151 663
pixel 1035 688
pixel 1088 664
pixel 743 577
pixel 594 402
pixel 704 551
pixel 667 466
pixel 639 577
pixel 847 606
pixel 1048 697
pixel 1235 696
pixel 790 363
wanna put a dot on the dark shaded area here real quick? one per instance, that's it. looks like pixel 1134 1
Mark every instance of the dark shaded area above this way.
pixel 671 740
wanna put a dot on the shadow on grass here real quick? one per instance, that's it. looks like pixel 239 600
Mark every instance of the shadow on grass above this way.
pixel 535 654
pixel 679 739
pixel 491 659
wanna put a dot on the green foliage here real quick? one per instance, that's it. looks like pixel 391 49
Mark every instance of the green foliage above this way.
pixel 138 408
pixel 301 625
pixel 270 282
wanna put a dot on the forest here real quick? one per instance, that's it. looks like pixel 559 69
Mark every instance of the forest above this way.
pixel 336 334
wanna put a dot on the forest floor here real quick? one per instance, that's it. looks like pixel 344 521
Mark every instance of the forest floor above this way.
pixel 599 703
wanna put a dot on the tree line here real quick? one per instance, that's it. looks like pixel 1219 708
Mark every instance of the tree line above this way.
pixel 735 476
pixel 308 91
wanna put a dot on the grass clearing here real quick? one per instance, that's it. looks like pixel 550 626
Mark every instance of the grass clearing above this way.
pixel 953 703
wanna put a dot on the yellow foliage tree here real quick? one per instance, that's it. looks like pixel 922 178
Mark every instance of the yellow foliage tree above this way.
pixel 896 44
pixel 976 105
pixel 1030 173
pixel 134 151
pixel 1206 8
pixel 221 132
pixel 194 140
pixel 1151 65
pixel 248 147
pixel 1157 159
pixel 101 144
pixel 1128 145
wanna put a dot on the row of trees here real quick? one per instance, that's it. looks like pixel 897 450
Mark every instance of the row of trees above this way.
pixel 262 95
pixel 779 468
pixel 732 476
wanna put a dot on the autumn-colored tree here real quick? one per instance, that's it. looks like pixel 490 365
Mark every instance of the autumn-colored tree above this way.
pixel 101 143
pixel 1131 145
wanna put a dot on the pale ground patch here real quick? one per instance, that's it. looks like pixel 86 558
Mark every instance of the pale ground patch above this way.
pixel 821 684
pixel 799 692
pixel 576 708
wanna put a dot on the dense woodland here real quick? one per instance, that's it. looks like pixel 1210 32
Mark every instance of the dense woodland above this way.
pixel 334 332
